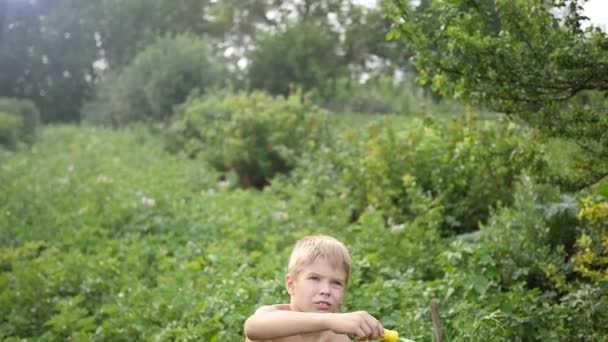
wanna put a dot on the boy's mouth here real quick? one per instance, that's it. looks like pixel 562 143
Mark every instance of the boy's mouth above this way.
pixel 323 305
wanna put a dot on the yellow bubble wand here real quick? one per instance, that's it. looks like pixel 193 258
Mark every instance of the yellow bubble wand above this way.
pixel 393 336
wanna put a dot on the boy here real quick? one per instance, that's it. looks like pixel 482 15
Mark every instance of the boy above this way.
pixel 316 280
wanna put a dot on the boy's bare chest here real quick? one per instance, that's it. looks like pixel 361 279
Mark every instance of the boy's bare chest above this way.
pixel 325 336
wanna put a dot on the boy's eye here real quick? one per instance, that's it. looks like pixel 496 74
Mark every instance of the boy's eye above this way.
pixel 313 277
pixel 337 283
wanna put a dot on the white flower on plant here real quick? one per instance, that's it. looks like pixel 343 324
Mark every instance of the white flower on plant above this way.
pixel 148 201
pixel 71 168
pixel 398 228
pixel 102 179
pixel 395 228
pixel 280 215
pixel 80 212
pixel 63 180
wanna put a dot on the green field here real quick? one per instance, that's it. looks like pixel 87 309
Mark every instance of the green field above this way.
pixel 160 158
pixel 106 236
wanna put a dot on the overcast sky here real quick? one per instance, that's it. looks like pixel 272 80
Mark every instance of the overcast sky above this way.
pixel 597 11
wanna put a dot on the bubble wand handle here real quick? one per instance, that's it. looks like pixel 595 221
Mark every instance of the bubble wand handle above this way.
pixel 390 336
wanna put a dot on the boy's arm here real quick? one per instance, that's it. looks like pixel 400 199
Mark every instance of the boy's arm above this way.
pixel 272 322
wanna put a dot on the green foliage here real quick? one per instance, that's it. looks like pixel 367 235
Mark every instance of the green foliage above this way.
pixel 10 129
pixel 461 167
pixel 113 239
pixel 515 284
pixel 105 236
pixel 591 259
pixel 518 238
pixel 303 55
pixel 26 112
pixel 48 48
pixel 255 136
pixel 126 27
pixel 518 58
pixel 56 51
pixel 365 44
pixel 159 77
pixel 379 95
pixel 385 95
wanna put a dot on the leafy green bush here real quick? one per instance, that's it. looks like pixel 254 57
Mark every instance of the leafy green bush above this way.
pixel 513 283
pixel 591 259
pixel 27 111
pixel 159 77
pixel 10 129
pixel 463 166
pixel 123 242
pixel 255 136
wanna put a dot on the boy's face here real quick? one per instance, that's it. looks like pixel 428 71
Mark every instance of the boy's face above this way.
pixel 318 287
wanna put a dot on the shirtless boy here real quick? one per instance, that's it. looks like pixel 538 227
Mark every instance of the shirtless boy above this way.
pixel 317 277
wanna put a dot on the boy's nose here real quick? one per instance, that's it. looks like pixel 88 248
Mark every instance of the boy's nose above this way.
pixel 324 289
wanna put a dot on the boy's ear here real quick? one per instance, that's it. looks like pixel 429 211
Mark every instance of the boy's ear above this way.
pixel 289 284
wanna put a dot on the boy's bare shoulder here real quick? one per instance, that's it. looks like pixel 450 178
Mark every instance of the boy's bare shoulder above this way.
pixel 273 307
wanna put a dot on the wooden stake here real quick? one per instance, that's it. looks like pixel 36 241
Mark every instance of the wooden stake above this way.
pixel 436 321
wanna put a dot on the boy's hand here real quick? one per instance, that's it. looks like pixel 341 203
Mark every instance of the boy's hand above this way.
pixel 359 325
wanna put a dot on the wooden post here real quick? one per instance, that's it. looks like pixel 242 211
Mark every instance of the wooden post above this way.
pixel 436 321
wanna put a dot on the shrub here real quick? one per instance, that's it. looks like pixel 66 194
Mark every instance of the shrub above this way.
pixel 256 136
pixel 591 259
pixel 158 78
pixel 27 111
pixel 463 165
pixel 514 283
pixel 10 129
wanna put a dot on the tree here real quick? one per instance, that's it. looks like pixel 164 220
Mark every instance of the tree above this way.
pixel 55 51
pixel 48 48
pixel 517 57
pixel 46 57
pixel 159 77
pixel 365 43
pixel 304 55
pixel 124 27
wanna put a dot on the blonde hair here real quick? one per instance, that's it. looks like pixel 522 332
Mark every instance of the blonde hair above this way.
pixel 309 249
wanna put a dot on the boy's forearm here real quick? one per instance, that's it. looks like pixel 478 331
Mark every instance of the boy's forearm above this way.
pixel 280 323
